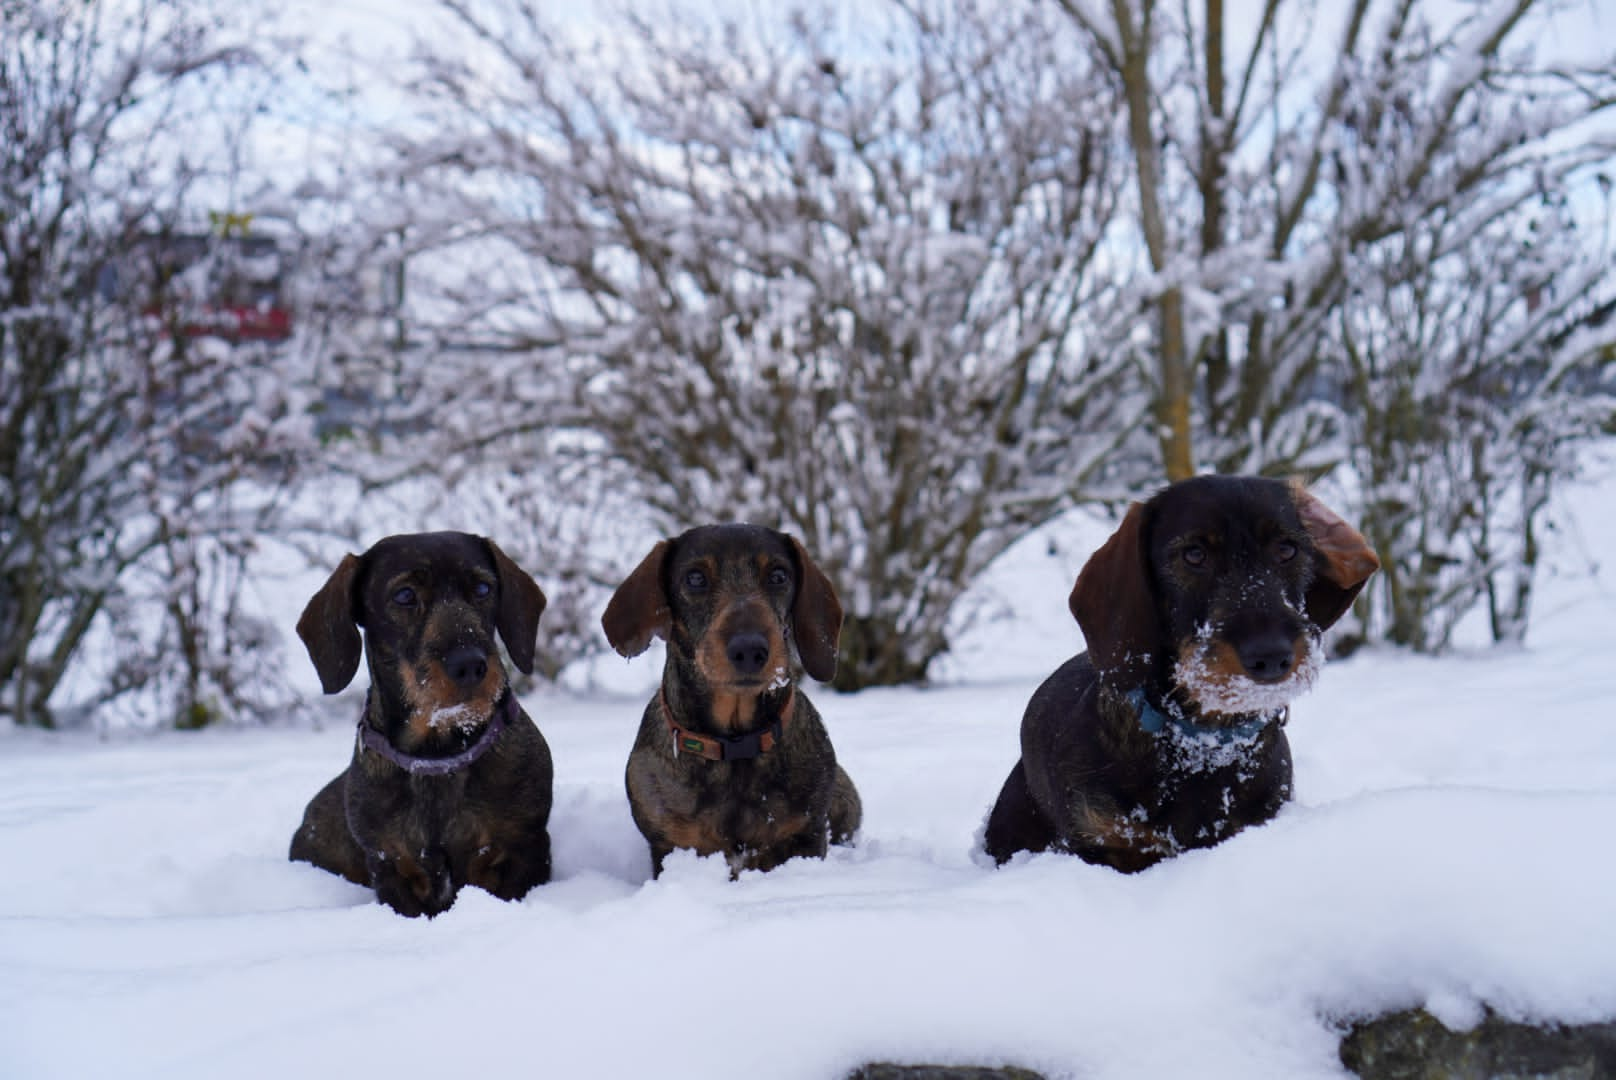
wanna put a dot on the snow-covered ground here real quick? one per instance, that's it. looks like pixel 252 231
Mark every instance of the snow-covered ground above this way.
pixel 1450 845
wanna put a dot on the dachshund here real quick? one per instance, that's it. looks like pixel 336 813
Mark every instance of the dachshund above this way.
pixel 731 756
pixel 1203 615
pixel 450 781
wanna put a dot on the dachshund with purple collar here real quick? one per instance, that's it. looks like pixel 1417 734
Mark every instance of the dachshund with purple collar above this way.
pixel 1202 614
pixel 450 781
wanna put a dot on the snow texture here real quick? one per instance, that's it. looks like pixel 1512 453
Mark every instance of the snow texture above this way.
pixel 1448 846
pixel 458 717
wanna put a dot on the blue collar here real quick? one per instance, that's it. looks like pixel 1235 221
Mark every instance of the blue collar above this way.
pixel 1153 722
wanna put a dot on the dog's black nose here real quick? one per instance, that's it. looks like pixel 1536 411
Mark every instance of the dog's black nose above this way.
pixel 466 665
pixel 748 653
pixel 1267 658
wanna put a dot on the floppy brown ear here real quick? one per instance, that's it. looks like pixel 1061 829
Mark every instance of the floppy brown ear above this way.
pixel 329 630
pixel 1342 560
pixel 521 602
pixel 816 617
pixel 638 610
pixel 1113 603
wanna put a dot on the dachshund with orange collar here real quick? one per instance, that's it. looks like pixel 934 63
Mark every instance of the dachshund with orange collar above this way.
pixel 731 756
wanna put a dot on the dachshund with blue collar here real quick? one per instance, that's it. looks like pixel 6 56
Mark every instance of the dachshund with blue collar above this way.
pixel 1203 615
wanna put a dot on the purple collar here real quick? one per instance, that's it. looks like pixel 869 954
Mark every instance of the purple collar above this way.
pixel 371 739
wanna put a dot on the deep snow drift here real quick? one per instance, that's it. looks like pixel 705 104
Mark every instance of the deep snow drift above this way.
pixel 1449 845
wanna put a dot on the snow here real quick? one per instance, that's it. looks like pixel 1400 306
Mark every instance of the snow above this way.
pixel 1448 846
pixel 460 717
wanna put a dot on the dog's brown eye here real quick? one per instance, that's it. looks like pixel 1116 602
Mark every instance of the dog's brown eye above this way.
pixel 779 577
pixel 1194 555
pixel 695 579
pixel 1285 550
pixel 404 597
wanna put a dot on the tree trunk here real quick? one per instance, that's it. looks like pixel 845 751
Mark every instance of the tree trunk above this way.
pixel 1177 387
pixel 1176 376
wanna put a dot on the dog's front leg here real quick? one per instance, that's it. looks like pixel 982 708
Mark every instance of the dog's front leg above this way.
pixel 1122 841
pixel 510 872
pixel 803 835
pixel 412 884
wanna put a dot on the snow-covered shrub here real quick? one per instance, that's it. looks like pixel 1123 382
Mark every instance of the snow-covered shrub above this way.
pixel 845 284
pixel 121 436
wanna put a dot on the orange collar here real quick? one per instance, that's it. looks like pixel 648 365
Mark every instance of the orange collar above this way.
pixel 752 744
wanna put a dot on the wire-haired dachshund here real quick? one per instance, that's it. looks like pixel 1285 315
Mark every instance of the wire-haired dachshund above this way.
pixel 1202 615
pixel 731 756
pixel 450 782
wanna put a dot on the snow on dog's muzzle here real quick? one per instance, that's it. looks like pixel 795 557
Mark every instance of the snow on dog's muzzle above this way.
pixel 1221 678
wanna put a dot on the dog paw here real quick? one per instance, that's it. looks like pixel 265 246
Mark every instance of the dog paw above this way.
pixel 414 886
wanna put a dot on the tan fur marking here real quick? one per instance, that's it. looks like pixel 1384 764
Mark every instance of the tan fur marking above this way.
pixel 411 871
pixel 1299 649
pixel 1221 666
pixel 1129 845
pixel 710 659
pixel 772 848
pixel 1222 663
pixel 701 835
pixel 429 690
pixel 734 707
pixel 778 831
pixel 759 849
pixel 486 863
pixel 734 711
